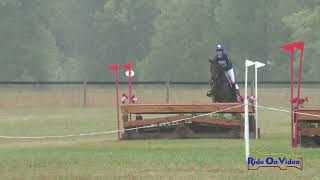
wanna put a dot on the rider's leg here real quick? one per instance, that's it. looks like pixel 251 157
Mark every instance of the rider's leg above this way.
pixel 235 86
pixel 230 75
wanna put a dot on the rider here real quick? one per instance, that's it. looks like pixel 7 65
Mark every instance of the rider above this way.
pixel 226 63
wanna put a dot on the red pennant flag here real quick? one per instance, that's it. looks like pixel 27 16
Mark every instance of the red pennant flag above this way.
pixel 291 45
pixel 127 66
pixel 113 67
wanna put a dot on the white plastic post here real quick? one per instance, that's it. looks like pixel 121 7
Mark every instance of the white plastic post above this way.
pixel 246 113
pixel 257 65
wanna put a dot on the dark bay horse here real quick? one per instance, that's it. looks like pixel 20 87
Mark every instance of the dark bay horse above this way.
pixel 221 90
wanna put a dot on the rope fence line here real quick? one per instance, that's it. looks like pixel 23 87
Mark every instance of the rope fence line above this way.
pixel 287 111
pixel 145 127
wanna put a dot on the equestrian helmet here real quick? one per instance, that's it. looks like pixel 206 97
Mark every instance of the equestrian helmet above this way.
pixel 219 47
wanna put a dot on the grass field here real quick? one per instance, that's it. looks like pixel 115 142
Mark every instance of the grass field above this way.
pixel 103 157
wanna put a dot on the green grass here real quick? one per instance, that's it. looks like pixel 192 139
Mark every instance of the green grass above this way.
pixel 103 157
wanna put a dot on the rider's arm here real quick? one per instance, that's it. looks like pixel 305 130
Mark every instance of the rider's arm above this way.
pixel 211 60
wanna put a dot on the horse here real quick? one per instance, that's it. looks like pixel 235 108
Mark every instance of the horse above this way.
pixel 221 88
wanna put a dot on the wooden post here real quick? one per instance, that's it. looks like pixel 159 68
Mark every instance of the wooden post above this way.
pixel 168 92
pixel 84 95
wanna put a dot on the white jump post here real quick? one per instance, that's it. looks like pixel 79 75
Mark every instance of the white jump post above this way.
pixel 246 111
pixel 257 65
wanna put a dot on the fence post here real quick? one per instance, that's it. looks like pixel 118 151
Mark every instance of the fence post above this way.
pixel 84 95
pixel 168 92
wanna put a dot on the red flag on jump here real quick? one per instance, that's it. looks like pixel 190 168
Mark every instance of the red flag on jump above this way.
pixel 113 67
pixel 291 45
pixel 127 66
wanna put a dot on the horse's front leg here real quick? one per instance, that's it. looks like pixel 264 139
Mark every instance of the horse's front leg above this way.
pixel 212 86
pixel 210 95
pixel 213 99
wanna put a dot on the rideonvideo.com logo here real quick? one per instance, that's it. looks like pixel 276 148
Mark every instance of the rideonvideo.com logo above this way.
pixel 283 161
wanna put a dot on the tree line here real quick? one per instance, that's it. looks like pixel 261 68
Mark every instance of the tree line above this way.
pixel 70 40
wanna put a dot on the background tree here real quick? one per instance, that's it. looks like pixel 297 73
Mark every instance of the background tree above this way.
pixel 184 39
pixel 304 25
pixel 28 49
pixel 74 40
pixel 124 28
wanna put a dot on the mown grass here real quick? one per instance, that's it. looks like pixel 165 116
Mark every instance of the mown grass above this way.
pixel 104 157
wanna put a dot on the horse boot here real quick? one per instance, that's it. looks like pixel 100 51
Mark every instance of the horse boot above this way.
pixel 209 93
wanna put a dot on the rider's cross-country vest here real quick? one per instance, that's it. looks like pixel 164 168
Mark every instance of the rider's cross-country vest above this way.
pixel 224 61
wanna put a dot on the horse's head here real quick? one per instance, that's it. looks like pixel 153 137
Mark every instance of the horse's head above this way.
pixel 217 73
pixel 221 90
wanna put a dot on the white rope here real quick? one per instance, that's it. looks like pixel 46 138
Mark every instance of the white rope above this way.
pixel 287 111
pixel 114 131
pixel 60 136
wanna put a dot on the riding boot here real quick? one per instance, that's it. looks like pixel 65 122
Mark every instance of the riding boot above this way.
pixel 235 90
pixel 237 93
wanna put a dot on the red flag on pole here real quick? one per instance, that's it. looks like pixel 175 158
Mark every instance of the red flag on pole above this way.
pixel 113 67
pixel 290 48
pixel 291 45
pixel 127 66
